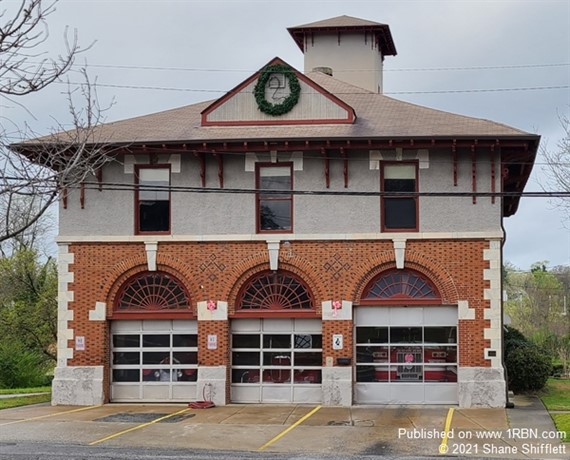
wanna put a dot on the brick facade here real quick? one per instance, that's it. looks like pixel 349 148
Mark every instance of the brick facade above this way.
pixel 332 270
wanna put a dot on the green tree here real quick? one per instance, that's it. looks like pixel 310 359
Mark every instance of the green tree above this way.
pixel 537 304
pixel 28 302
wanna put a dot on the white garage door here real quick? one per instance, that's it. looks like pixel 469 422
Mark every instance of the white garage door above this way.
pixel 154 360
pixel 406 355
pixel 276 360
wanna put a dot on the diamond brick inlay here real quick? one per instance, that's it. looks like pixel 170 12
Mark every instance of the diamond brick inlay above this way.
pixel 212 266
pixel 336 266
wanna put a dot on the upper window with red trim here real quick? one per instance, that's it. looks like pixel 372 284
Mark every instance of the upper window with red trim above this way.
pixel 401 285
pixel 152 197
pixel 279 290
pixel 275 200
pixel 152 291
pixel 400 211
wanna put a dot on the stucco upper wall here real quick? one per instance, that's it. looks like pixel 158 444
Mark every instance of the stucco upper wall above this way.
pixel 354 58
pixel 111 212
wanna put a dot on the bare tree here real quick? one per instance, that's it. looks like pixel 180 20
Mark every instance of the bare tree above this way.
pixel 558 165
pixel 33 174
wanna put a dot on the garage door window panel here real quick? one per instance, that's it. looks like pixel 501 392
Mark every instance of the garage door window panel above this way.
pixel 152 358
pixel 407 357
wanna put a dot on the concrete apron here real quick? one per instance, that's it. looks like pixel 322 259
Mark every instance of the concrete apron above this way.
pixel 373 430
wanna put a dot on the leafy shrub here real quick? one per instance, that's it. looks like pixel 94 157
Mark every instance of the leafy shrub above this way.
pixel 528 366
pixel 557 369
pixel 21 368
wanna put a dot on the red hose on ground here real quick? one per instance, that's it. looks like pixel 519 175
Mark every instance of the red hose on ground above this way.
pixel 205 404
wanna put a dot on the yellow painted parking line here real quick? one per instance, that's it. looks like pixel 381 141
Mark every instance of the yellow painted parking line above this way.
pixel 443 449
pixel 284 432
pixel 51 415
pixel 138 427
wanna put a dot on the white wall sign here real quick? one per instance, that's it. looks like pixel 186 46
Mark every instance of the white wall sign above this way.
pixel 212 342
pixel 80 343
pixel 337 341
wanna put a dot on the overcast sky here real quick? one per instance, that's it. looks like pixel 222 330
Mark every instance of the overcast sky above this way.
pixel 149 56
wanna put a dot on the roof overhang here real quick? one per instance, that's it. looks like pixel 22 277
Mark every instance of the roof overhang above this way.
pixel 380 31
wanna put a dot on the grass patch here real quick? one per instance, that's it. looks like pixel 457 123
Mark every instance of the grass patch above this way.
pixel 562 422
pixel 19 391
pixel 556 394
pixel 7 403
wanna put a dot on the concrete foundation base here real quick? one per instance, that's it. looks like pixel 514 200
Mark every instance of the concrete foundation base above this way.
pixel 78 386
pixel 212 384
pixel 481 387
pixel 337 386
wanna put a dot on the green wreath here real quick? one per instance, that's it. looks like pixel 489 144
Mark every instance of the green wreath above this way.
pixel 290 101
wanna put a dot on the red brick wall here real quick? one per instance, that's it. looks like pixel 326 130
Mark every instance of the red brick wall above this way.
pixel 332 269
pixel 343 327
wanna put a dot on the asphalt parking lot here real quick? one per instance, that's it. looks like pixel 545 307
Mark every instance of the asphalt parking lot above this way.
pixel 392 431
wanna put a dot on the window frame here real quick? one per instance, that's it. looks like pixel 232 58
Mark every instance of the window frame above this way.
pixel 414 197
pixel 138 230
pixel 258 196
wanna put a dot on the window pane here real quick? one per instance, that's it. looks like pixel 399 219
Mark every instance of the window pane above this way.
pixel 120 357
pixel 246 341
pixel 186 340
pixel 409 373
pixel 154 216
pixel 406 335
pixel 245 375
pixel 155 341
pixel 127 341
pixel 382 374
pixel 276 358
pixel 277 375
pixel 372 335
pixel 440 373
pixel 185 357
pixel 314 358
pixel 440 334
pixel 399 185
pixel 276 341
pixel 408 355
pixel 186 375
pixel 365 373
pixel 308 341
pixel 399 212
pixel 245 358
pixel 154 178
pixel 440 354
pixel 401 171
pixel 156 357
pixel 307 376
pixel 126 375
pixel 275 214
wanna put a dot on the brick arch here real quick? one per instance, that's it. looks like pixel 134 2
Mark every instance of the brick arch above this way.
pixel 414 260
pixel 247 274
pixel 129 267
pixel 117 271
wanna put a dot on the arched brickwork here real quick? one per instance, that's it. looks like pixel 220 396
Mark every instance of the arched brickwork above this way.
pixel 125 276
pixel 436 273
pixel 246 275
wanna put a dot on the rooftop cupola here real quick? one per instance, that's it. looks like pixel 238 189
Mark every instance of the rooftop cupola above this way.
pixel 352 49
